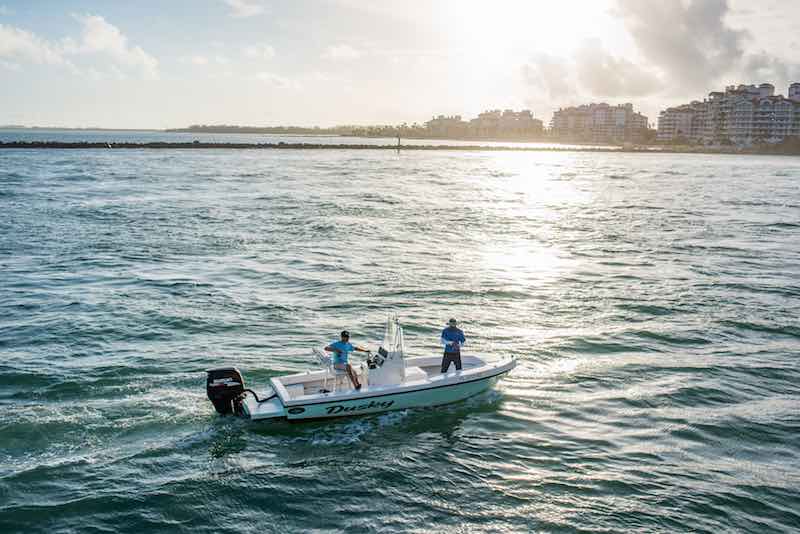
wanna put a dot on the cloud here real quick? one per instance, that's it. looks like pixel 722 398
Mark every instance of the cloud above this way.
pixel 202 60
pixel 244 8
pixel 99 41
pixel 276 80
pixel 689 41
pixel 605 75
pixel 695 47
pixel 103 39
pixel 591 74
pixel 341 52
pixel 763 66
pixel 259 51
pixel 550 73
pixel 687 48
pixel 18 45
pixel 319 76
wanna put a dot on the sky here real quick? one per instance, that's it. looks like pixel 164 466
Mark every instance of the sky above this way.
pixel 171 63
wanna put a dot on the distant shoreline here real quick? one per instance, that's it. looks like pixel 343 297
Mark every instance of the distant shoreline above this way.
pixel 309 132
pixel 287 146
pixel 638 149
pixel 68 129
pixel 477 139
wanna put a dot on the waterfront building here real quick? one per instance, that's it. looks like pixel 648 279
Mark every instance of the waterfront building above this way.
pixel 447 127
pixel 598 123
pixel 794 92
pixel 682 123
pixel 742 115
pixel 489 124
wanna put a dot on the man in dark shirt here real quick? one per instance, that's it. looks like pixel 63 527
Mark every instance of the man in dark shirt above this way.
pixel 452 339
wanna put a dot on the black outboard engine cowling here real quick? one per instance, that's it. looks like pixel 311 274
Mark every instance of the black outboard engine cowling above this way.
pixel 225 389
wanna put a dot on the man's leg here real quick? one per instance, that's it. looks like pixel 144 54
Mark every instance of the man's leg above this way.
pixel 353 377
pixel 457 360
pixel 446 359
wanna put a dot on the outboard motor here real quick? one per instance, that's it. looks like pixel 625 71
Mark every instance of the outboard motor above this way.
pixel 225 388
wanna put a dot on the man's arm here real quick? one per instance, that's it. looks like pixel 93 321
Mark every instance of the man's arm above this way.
pixel 445 341
pixel 360 349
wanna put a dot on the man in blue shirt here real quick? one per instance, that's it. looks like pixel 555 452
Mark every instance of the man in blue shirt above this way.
pixel 341 350
pixel 452 339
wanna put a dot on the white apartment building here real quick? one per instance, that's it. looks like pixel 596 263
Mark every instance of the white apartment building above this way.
pixel 598 123
pixel 489 124
pixel 682 123
pixel 447 127
pixel 743 115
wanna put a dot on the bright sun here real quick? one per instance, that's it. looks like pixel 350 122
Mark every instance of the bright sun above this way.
pixel 511 26
pixel 487 42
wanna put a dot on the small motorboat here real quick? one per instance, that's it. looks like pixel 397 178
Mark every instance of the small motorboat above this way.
pixel 389 379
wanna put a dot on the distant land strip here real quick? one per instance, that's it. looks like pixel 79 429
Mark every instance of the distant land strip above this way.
pixel 662 149
pixel 287 146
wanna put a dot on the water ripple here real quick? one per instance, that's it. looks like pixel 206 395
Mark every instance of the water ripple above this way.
pixel 652 304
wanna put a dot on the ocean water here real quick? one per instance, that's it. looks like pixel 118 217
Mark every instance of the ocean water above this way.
pixel 652 300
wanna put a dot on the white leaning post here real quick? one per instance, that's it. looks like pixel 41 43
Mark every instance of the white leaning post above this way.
pixel 326 361
pixel 337 375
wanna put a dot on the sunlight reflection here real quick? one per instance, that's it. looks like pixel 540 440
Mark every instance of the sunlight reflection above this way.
pixel 522 262
pixel 531 200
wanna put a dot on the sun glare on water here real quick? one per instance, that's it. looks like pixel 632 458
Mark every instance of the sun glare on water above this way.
pixel 527 200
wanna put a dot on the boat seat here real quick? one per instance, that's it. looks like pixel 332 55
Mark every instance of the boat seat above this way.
pixel 414 374
pixel 340 379
pixel 330 371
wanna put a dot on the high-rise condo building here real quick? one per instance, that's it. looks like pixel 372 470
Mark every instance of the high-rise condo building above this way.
pixel 598 123
pixel 742 115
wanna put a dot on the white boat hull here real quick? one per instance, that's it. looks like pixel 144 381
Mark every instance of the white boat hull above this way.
pixel 389 402
pixel 437 390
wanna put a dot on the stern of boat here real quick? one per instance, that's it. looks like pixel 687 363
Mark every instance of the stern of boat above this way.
pixel 226 390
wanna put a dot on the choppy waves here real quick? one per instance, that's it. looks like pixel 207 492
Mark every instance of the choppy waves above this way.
pixel 652 300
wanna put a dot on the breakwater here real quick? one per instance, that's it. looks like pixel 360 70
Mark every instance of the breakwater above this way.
pixel 290 146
